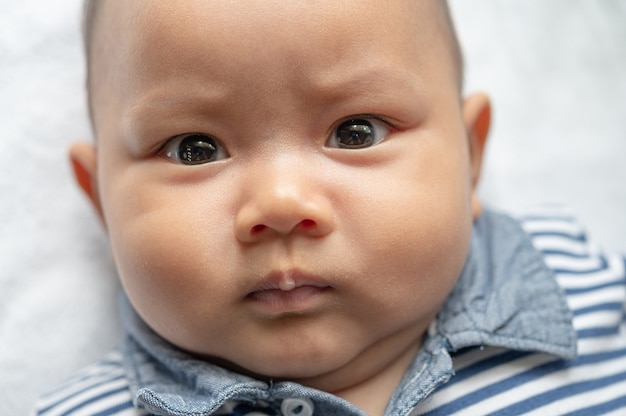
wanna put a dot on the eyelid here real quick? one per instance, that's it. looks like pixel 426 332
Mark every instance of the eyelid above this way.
pixel 367 117
pixel 169 150
pixel 374 119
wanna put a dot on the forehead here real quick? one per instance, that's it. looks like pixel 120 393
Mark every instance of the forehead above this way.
pixel 126 22
pixel 149 40
pixel 270 10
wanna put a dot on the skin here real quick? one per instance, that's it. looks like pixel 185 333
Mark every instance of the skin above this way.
pixel 373 238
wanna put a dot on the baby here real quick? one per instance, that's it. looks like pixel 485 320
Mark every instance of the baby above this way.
pixel 289 189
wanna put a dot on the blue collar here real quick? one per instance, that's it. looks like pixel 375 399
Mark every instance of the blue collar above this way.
pixel 506 297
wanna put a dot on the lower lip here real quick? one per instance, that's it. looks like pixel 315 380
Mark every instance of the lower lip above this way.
pixel 298 300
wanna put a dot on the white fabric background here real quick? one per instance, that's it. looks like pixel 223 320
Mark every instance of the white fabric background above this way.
pixel 556 70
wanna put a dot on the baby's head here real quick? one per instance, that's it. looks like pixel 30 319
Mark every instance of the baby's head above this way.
pixel 288 187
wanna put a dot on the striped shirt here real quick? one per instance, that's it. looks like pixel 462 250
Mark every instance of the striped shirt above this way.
pixel 486 379
pixel 500 381
pixel 100 389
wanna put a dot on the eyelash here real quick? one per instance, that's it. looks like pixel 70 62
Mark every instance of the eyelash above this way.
pixel 204 149
pixel 359 132
pixel 358 125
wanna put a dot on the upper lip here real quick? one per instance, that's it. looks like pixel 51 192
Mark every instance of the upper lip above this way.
pixel 287 280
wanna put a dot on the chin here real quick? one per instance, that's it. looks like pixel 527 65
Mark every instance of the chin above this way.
pixel 294 364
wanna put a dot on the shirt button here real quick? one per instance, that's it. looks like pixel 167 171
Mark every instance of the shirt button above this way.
pixel 296 407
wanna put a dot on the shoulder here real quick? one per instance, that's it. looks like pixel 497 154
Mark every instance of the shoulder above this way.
pixel 100 389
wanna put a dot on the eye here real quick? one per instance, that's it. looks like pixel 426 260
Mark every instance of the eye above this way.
pixel 194 149
pixel 358 133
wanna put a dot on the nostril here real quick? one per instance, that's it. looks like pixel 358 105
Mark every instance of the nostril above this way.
pixel 303 225
pixel 258 229
pixel 307 223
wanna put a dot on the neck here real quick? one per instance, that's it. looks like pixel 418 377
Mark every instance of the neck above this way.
pixel 370 379
pixel 372 394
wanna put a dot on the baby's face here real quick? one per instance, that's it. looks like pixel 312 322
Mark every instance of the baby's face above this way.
pixel 286 186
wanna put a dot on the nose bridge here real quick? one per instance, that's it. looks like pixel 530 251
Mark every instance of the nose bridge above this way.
pixel 279 173
pixel 283 195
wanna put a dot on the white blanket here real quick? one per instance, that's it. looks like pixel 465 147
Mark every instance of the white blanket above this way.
pixel 556 72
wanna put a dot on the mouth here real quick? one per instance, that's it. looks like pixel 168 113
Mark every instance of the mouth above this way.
pixel 290 291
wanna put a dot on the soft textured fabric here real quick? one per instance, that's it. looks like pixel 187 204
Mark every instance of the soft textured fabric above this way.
pixel 527 328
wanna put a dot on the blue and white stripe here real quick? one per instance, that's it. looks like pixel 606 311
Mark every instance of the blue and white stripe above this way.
pixel 505 382
pixel 99 390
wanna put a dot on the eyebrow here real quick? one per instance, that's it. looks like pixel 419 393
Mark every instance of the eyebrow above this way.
pixel 161 104
pixel 161 100
pixel 326 87
pixel 376 78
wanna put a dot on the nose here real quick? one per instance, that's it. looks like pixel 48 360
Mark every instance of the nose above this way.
pixel 281 202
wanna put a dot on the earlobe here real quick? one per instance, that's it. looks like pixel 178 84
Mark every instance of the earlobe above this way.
pixel 477 118
pixel 83 157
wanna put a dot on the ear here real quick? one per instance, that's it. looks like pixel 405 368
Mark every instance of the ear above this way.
pixel 477 117
pixel 84 163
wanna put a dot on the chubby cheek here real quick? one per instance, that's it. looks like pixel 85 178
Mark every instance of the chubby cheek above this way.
pixel 418 231
pixel 170 259
pixel 414 276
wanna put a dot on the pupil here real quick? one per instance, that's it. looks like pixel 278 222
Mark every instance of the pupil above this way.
pixel 197 149
pixel 355 134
